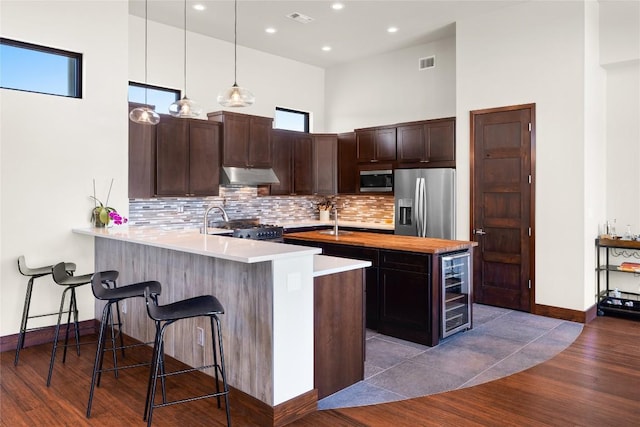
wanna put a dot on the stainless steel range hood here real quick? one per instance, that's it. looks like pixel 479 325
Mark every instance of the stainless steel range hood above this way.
pixel 247 176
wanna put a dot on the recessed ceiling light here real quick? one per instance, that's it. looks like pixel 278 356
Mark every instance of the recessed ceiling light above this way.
pixel 337 6
pixel 199 7
pixel 270 30
pixel 326 48
pixel 392 29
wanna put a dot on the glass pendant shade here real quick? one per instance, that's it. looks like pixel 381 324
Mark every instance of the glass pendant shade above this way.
pixel 185 108
pixel 144 116
pixel 236 96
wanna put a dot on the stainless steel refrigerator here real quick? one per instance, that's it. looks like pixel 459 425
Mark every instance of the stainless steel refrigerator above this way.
pixel 425 202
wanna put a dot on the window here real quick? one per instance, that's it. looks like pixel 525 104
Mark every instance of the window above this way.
pixel 32 68
pixel 160 97
pixel 291 120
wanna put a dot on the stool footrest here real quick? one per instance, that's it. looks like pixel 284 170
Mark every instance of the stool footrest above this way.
pixel 190 399
pixel 184 371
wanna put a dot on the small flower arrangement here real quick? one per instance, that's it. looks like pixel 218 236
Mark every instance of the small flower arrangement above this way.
pixel 325 205
pixel 102 214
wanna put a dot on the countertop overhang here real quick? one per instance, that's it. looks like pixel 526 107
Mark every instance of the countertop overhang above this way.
pixel 391 242
pixel 192 241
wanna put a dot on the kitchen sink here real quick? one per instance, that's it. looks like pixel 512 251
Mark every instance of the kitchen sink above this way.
pixel 333 232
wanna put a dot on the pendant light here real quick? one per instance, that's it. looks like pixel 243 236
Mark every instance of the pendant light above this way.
pixel 145 115
pixel 185 108
pixel 236 96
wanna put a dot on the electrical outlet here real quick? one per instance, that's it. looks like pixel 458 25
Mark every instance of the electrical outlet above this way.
pixel 200 336
pixel 123 307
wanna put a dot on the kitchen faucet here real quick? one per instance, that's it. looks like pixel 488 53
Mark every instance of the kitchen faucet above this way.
pixel 206 216
pixel 335 216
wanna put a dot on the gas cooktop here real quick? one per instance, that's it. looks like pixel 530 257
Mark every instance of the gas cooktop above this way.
pixel 251 229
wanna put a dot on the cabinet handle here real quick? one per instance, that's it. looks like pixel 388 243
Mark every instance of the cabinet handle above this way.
pixel 424 161
pixel 374 160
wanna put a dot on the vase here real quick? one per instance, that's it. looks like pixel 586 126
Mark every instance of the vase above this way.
pixel 96 219
pixel 324 215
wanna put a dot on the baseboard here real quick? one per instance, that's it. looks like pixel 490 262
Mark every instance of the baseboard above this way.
pixel 45 335
pixel 566 313
pixel 263 414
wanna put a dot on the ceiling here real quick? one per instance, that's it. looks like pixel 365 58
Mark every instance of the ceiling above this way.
pixel 357 31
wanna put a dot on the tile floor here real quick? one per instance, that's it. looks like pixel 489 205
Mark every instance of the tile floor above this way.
pixel 502 342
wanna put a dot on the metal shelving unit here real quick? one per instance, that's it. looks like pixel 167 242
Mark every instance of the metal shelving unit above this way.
pixel 613 301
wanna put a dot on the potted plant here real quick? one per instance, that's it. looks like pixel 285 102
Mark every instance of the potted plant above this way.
pixel 102 214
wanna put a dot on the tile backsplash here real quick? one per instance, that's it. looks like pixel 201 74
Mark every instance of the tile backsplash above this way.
pixel 243 202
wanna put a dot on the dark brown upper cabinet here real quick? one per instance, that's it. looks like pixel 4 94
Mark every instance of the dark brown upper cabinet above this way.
pixel 347 170
pixel 376 144
pixel 246 139
pixel 429 143
pixel 292 154
pixel 142 159
pixel 187 157
pixel 325 164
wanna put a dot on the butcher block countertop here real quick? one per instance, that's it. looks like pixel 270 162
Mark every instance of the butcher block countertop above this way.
pixel 385 241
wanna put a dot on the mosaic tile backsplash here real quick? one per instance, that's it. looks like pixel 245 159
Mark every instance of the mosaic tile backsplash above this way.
pixel 243 202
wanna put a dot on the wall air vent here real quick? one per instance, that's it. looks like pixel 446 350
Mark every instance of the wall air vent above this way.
pixel 303 19
pixel 426 63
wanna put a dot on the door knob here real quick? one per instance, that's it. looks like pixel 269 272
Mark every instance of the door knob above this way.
pixel 479 231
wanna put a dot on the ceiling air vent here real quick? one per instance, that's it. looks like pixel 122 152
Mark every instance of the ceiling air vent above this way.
pixel 303 19
pixel 426 63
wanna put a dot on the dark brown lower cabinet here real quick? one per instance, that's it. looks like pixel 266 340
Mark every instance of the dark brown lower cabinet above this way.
pixel 402 290
pixel 338 331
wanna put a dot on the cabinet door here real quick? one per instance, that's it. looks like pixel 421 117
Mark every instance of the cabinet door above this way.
pixel 172 157
pixel 347 171
pixel 441 141
pixel 411 143
pixel 236 140
pixel 302 170
pixel 259 142
pixel 365 146
pixel 282 162
pixel 142 159
pixel 386 144
pixel 204 158
pixel 325 164
pixel 405 304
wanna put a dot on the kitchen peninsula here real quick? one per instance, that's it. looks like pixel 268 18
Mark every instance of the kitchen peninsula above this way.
pixel 411 292
pixel 267 290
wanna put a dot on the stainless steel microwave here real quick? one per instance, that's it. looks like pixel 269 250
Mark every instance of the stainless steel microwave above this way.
pixel 376 181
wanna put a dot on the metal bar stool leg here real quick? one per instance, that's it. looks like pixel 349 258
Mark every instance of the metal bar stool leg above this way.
pixel 55 337
pixel 222 368
pixel 23 323
pixel 97 364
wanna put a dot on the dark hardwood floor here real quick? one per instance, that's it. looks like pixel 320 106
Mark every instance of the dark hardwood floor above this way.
pixel 594 382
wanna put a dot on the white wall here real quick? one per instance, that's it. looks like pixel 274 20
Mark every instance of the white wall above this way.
pixel 52 147
pixel 389 88
pixel 534 53
pixel 275 81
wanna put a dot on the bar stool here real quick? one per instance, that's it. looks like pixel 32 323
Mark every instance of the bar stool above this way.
pixel 70 282
pixel 33 273
pixel 165 315
pixel 113 295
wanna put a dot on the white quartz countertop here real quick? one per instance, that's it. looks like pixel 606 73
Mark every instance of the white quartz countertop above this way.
pixel 192 241
pixel 324 265
pixel 341 223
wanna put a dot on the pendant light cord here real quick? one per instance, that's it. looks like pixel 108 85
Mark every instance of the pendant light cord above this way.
pixel 146 3
pixel 185 49
pixel 235 46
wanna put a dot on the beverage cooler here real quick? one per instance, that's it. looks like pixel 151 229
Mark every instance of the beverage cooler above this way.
pixel 455 276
